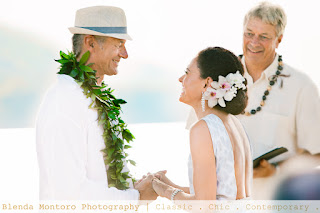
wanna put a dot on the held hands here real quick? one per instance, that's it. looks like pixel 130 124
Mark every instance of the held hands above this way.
pixel 151 186
pixel 144 186
pixel 161 175
pixel 265 169
pixel 165 187
pixel 161 188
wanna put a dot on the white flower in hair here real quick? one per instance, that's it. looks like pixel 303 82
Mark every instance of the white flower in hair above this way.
pixel 230 94
pixel 215 85
pixel 221 102
pixel 236 79
pixel 213 95
pixel 224 90
pixel 223 84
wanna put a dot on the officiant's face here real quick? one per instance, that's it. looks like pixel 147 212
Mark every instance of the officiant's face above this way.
pixel 260 41
pixel 192 85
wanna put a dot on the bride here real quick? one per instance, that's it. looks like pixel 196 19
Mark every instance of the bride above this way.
pixel 220 164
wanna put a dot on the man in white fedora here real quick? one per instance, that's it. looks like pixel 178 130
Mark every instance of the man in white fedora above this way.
pixel 69 138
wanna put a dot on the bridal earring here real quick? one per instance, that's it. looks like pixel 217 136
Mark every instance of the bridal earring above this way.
pixel 203 102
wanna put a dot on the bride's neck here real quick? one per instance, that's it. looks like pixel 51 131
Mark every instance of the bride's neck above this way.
pixel 200 114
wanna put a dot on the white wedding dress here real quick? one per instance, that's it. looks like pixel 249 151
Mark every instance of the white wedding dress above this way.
pixel 226 180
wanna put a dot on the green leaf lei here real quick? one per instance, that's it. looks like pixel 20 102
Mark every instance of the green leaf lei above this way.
pixel 115 131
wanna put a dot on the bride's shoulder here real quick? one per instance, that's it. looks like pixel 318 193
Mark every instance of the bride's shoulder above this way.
pixel 198 126
pixel 199 131
pixel 200 141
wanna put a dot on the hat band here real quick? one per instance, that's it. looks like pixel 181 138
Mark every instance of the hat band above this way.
pixel 118 30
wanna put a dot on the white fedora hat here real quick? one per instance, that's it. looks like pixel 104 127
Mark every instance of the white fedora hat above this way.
pixel 102 21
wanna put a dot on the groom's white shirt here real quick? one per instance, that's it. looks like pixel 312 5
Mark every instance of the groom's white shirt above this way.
pixel 69 144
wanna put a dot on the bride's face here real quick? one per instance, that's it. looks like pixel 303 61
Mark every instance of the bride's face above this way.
pixel 192 85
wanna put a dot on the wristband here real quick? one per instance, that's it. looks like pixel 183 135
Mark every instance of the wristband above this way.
pixel 174 193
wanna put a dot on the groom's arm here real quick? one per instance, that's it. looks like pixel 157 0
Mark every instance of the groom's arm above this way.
pixel 65 171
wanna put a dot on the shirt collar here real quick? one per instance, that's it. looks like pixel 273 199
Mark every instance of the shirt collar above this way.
pixel 67 78
pixel 269 71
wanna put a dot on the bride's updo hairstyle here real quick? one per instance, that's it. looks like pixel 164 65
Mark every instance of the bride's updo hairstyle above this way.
pixel 217 61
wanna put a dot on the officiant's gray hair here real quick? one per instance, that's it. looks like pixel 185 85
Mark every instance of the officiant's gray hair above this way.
pixel 270 14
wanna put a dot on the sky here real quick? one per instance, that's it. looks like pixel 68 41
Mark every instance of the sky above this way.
pixel 166 36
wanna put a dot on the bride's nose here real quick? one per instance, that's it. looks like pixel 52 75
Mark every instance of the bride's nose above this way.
pixel 181 78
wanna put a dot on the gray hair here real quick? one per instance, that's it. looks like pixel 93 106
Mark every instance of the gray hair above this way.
pixel 77 41
pixel 269 14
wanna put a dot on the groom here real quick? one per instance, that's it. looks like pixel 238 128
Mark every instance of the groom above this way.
pixel 69 138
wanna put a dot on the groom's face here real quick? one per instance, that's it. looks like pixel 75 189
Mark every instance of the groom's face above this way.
pixel 108 55
pixel 192 85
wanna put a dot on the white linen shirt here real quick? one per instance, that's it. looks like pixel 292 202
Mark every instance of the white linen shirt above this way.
pixel 69 143
pixel 290 116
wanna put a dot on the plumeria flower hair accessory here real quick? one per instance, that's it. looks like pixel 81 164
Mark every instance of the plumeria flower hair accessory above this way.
pixel 225 89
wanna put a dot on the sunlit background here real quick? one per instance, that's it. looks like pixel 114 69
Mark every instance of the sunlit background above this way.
pixel 166 36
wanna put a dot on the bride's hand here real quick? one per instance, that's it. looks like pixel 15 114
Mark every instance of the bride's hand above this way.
pixel 159 187
pixel 161 175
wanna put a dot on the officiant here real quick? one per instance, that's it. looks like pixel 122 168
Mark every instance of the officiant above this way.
pixel 284 106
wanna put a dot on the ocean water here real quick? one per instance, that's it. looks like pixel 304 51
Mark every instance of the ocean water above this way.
pixel 157 146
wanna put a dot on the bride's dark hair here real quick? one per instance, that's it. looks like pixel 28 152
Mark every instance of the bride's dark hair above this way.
pixel 217 61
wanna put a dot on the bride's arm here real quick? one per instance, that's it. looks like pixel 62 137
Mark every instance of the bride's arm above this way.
pixel 204 168
pixel 161 175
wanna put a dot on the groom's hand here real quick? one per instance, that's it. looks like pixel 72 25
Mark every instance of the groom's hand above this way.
pixel 145 188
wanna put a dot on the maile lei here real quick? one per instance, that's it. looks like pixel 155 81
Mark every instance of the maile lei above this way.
pixel 115 133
